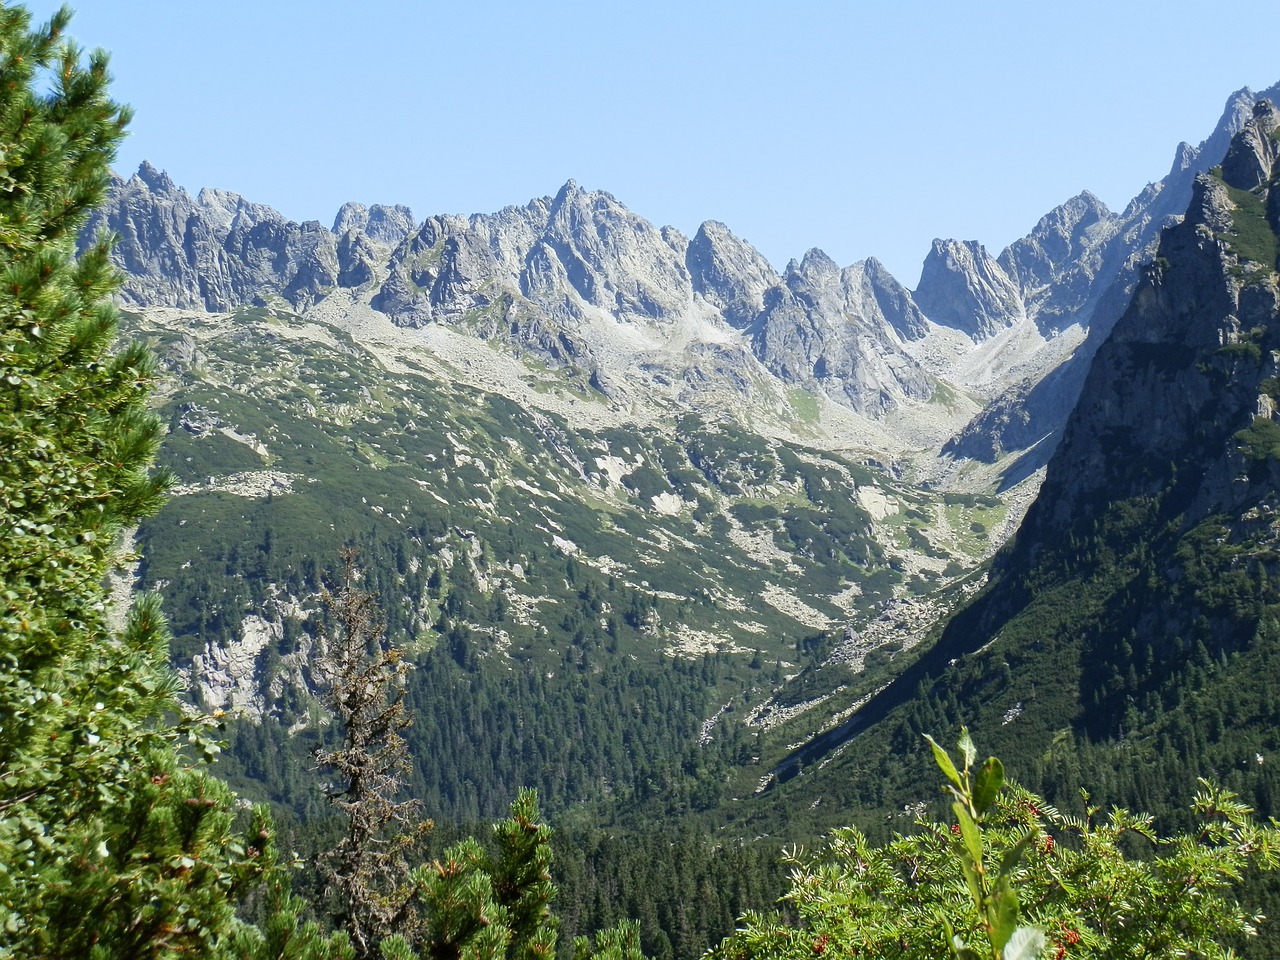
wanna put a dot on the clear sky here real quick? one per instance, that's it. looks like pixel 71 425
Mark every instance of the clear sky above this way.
pixel 864 128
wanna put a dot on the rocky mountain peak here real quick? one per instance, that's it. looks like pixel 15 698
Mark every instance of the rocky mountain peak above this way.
pixel 157 181
pixel 962 286
pixel 1184 157
pixel 1179 376
pixel 816 265
pixel 388 225
pixel 578 279
pixel 728 273
pixel 1054 266
pixel 893 299
pixel 566 193
pixel 1252 156
pixel 826 327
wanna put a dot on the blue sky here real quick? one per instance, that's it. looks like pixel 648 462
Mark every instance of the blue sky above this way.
pixel 863 128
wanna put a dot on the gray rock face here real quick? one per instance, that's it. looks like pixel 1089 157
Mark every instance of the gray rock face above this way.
pixel 1181 373
pixel 962 286
pixel 578 279
pixel 1057 265
pixel 615 260
pixel 380 224
pixel 566 255
pixel 1249 162
pixel 728 273
pixel 893 301
pixel 824 326
pixel 214 252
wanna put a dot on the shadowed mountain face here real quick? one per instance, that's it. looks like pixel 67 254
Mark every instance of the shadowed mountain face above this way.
pixel 1137 602
pixel 1190 364
pixel 1080 265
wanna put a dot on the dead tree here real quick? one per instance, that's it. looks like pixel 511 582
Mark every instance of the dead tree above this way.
pixel 363 682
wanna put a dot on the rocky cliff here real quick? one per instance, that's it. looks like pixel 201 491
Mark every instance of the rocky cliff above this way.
pixel 1190 364
pixel 961 286
pixel 581 282
pixel 1079 267
pixel 1142 577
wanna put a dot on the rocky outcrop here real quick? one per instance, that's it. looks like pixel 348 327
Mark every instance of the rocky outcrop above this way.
pixel 962 286
pixel 214 252
pixel 892 300
pixel 388 226
pixel 823 326
pixel 580 251
pixel 728 273
pixel 1057 265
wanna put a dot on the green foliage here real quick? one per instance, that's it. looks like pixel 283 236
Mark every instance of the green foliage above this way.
pixel 522 880
pixel 1243 350
pixel 994 898
pixel 618 943
pixel 112 842
pixel 283 933
pixel 1251 237
pixel 804 405
pixel 496 905
pixel 1261 440
pixel 684 889
pixel 1080 887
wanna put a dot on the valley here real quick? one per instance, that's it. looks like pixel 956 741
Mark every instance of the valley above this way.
pixel 366 588
pixel 605 456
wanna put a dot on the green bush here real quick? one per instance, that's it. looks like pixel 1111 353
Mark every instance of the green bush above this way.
pixel 1012 877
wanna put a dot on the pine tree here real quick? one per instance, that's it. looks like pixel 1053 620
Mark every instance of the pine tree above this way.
pixel 364 684
pixel 111 844
pixel 521 873
pixel 470 902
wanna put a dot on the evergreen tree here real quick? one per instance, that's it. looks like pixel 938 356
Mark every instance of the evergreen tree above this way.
pixel 111 844
pixel 364 683
pixel 522 879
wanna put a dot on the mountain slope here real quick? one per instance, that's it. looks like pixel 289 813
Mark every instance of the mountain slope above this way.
pixel 548 563
pixel 1128 637
pixel 1078 268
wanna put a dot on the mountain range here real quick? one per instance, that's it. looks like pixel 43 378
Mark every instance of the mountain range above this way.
pixel 660 524
pixel 579 281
